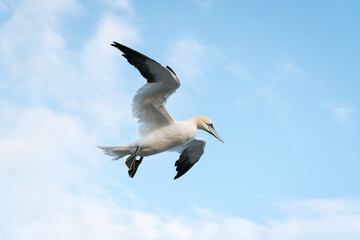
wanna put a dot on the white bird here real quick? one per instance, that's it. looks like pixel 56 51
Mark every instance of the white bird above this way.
pixel 158 131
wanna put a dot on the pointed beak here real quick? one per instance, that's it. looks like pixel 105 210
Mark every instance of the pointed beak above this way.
pixel 213 132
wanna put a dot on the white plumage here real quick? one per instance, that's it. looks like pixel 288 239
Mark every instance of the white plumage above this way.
pixel 158 131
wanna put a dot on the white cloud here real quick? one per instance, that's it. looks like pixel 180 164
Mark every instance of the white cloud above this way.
pixel 51 177
pixel 33 23
pixel 88 81
pixel 30 43
pixel 342 112
pixel 48 134
pixel 318 219
pixel 104 92
pixel 99 58
pixel 320 207
pixel 49 195
pixel 38 132
pixel 58 214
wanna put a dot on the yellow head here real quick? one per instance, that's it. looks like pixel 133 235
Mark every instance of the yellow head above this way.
pixel 204 123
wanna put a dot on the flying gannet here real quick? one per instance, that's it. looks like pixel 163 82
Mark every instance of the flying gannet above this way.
pixel 158 131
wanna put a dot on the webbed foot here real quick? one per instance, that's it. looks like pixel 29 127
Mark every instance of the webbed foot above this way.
pixel 133 170
pixel 132 163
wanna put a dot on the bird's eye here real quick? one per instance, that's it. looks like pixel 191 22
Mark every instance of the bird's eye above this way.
pixel 211 125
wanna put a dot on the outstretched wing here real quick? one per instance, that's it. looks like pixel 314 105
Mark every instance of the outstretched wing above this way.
pixel 189 156
pixel 148 103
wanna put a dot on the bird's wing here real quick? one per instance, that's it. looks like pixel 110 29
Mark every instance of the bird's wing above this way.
pixel 149 100
pixel 189 156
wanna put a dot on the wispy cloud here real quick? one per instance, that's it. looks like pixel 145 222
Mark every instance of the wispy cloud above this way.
pixel 342 112
pixel 239 71
pixel 289 67
pixel 188 56
pixel 123 4
pixel 320 207
pixel 271 96
pixel 286 68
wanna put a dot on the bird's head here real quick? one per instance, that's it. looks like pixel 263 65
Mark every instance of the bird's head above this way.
pixel 204 123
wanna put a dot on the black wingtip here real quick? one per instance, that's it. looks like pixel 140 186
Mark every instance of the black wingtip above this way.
pixel 115 44
pixel 171 70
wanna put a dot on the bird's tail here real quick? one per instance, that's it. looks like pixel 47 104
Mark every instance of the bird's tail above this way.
pixel 116 152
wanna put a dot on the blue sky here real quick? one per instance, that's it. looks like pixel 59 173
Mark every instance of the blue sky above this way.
pixel 280 80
